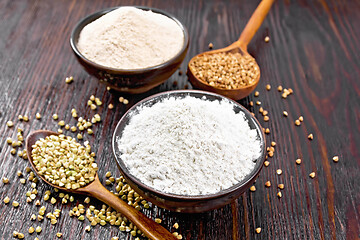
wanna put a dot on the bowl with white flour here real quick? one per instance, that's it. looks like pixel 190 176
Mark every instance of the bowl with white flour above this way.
pixel 130 49
pixel 189 151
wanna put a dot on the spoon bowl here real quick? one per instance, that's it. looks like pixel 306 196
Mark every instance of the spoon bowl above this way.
pixel 95 189
pixel 240 46
pixel 237 93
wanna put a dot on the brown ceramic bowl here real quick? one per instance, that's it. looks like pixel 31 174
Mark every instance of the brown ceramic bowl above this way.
pixel 183 203
pixel 131 81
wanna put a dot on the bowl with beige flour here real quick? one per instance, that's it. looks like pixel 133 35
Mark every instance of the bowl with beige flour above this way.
pixel 188 150
pixel 130 49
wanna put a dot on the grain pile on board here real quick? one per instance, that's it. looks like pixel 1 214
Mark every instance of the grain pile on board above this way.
pixel 131 38
pixel 189 146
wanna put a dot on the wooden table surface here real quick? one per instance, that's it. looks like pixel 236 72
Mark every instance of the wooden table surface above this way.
pixel 314 49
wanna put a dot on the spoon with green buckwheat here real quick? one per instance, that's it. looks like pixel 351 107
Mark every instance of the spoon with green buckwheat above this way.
pixel 67 165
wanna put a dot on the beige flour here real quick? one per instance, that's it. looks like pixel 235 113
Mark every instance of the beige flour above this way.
pixel 131 38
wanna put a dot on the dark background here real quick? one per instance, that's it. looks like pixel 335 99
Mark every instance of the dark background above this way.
pixel 313 49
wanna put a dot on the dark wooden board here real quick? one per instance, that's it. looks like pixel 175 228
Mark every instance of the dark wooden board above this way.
pixel 313 49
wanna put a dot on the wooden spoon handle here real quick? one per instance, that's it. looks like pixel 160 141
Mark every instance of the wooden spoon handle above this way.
pixel 254 23
pixel 150 228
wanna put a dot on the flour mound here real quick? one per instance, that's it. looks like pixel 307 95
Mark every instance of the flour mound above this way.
pixel 189 146
pixel 131 38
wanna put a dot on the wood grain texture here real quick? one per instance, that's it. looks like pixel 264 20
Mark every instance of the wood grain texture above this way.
pixel 313 49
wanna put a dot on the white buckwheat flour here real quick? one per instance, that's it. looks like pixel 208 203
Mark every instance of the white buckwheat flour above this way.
pixel 131 38
pixel 189 146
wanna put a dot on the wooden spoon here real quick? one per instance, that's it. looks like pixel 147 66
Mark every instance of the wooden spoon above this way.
pixel 240 46
pixel 95 189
